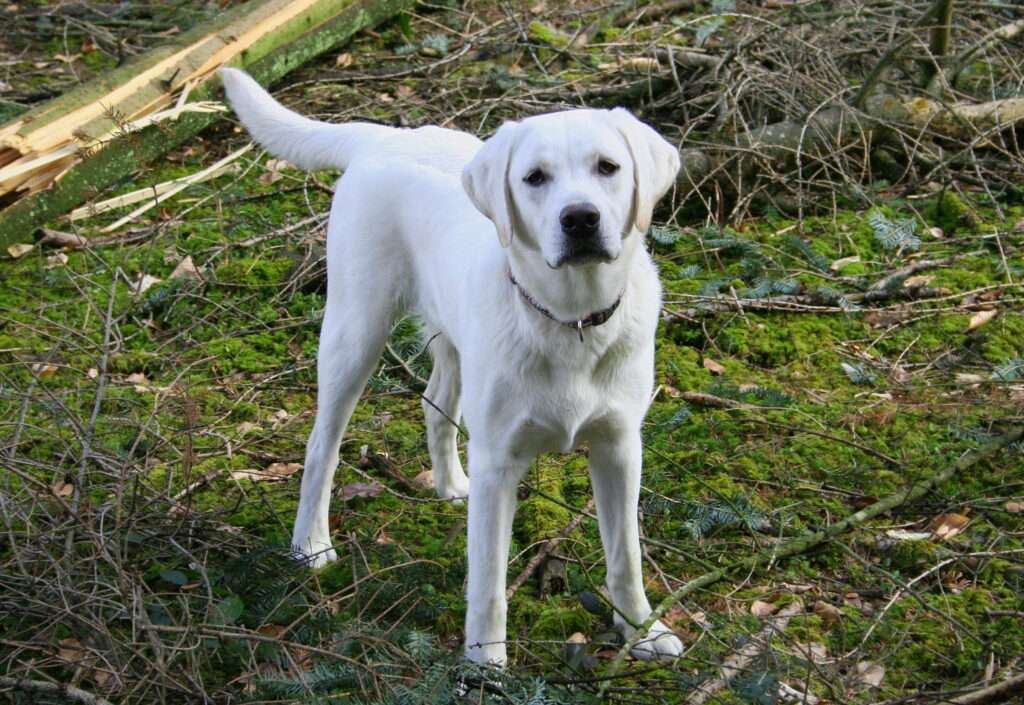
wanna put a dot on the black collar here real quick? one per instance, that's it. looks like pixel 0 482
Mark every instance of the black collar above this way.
pixel 593 320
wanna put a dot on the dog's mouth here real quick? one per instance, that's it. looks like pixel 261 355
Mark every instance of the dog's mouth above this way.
pixel 576 255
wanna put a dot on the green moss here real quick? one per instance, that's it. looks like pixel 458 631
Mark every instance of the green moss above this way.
pixel 950 212
pixel 539 518
pixel 1003 338
pixel 555 622
pixel 254 272
pixel 545 34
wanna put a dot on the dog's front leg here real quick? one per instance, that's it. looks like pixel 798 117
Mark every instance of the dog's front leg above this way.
pixel 492 506
pixel 615 463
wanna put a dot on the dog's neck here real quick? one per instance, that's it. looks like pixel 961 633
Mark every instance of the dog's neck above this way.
pixel 574 292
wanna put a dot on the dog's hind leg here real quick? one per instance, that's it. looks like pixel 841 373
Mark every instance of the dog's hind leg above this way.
pixel 351 341
pixel 441 408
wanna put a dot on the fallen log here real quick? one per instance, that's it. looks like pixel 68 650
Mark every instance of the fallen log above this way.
pixel 55 157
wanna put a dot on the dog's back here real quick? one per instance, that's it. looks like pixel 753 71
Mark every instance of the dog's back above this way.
pixel 310 144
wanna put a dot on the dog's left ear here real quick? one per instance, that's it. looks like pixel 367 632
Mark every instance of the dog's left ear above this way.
pixel 655 164
pixel 485 180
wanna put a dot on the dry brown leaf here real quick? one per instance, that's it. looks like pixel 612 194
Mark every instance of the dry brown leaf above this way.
pixel 713 367
pixel 272 630
pixel 818 652
pixel 424 480
pixel 829 613
pixel 919 280
pixel 106 680
pixel 273 172
pixel 44 371
pixel 278 417
pixel 186 268
pixel 71 651
pixel 146 282
pixel 870 674
pixel 701 620
pixel 343 61
pixel 19 250
pixel 275 472
pixel 968 378
pixel 361 489
pixel 62 488
pixel 900 375
pixel 672 391
pixel 981 318
pixel 1014 507
pixel 946 526
pixel 246 427
pixel 760 608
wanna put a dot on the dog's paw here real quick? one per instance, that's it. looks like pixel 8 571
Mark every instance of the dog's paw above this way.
pixel 455 488
pixel 659 644
pixel 316 553
pixel 489 654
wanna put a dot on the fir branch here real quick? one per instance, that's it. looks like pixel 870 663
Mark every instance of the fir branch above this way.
pixel 896 235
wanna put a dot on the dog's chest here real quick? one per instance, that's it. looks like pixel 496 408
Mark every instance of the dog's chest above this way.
pixel 558 407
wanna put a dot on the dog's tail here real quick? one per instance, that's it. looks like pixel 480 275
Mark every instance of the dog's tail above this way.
pixel 308 144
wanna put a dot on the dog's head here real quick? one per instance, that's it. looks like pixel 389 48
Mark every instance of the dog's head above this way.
pixel 571 185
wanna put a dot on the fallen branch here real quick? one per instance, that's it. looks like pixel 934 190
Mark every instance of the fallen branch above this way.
pixel 741 660
pixel 998 693
pixel 72 241
pixel 717 402
pixel 546 549
pixel 61 690
pixel 813 539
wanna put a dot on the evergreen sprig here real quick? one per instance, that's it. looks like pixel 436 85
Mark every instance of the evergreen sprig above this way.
pixel 894 234
pixel 817 260
pixel 1009 371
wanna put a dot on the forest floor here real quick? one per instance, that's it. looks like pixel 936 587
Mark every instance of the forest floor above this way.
pixel 157 389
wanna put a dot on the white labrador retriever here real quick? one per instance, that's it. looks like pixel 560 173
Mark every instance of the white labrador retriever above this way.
pixel 542 338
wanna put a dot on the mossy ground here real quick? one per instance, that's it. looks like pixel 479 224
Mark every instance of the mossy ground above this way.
pixel 205 377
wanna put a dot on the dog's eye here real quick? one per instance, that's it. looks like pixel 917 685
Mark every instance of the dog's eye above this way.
pixel 606 167
pixel 536 177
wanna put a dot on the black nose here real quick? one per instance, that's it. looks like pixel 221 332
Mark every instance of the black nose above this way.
pixel 580 220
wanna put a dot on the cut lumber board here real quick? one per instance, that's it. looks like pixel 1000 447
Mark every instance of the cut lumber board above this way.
pixel 83 129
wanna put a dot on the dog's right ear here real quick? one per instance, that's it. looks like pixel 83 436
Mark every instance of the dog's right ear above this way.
pixel 485 180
